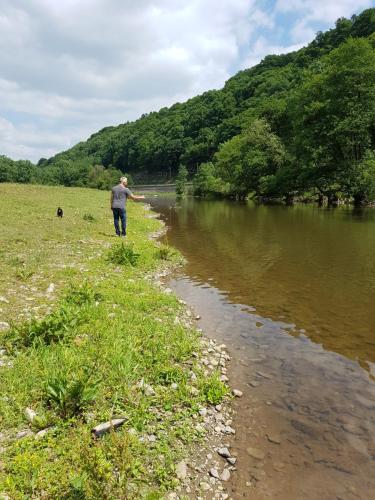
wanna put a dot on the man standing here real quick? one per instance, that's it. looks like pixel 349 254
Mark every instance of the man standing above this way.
pixel 119 195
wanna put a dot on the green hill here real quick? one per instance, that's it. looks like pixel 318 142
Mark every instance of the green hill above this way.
pixel 294 123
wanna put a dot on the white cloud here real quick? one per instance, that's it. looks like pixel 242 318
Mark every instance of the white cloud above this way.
pixel 262 47
pixel 318 11
pixel 71 67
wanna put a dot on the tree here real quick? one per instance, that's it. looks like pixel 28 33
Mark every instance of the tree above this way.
pixel 248 158
pixel 181 180
pixel 206 183
pixel 334 117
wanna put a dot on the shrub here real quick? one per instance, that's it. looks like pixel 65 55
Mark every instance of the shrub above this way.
pixel 82 295
pixel 123 254
pixel 69 397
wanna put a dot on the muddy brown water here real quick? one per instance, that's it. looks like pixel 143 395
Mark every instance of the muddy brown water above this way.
pixel 291 291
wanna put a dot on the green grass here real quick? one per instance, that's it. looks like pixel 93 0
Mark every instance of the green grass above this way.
pixel 80 348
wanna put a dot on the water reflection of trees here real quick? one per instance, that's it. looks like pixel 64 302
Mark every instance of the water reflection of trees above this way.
pixel 311 266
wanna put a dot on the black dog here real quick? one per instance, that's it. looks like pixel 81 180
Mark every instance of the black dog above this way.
pixel 60 212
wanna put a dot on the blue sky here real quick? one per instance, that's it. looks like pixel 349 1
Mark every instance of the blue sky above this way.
pixel 69 68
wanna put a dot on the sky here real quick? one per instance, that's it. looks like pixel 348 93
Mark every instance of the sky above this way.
pixel 71 67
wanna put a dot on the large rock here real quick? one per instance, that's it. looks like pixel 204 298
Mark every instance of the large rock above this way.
pixel 101 429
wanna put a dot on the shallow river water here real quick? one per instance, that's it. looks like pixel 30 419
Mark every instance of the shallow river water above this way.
pixel 291 291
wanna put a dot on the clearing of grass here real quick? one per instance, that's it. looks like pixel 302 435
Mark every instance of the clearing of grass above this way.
pixel 85 338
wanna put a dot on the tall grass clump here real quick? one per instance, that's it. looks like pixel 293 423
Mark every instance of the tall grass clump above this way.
pixel 68 396
pixel 123 254
pixel 88 217
pixel 166 252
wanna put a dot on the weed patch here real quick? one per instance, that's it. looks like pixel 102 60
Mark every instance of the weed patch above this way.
pixel 88 217
pixel 123 254
pixel 82 295
pixel 165 252
pixel 213 389
pixel 37 332
pixel 69 396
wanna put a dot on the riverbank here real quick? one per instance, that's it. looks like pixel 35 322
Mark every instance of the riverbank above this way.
pixel 90 342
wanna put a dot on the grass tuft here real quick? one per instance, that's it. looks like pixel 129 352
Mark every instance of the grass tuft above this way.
pixel 88 217
pixel 123 254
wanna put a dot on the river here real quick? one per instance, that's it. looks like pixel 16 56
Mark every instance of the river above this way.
pixel 291 291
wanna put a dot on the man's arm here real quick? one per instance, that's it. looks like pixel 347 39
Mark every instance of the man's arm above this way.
pixel 135 197
pixel 111 200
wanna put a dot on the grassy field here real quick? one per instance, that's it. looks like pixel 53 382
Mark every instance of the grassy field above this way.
pixel 91 338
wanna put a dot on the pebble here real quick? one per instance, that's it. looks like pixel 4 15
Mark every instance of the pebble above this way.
pixel 225 476
pixel 264 375
pixel 147 389
pixel 214 473
pixel 228 430
pixel 4 325
pixel 29 414
pixel 194 391
pixel 3 299
pixel 204 486
pixel 181 470
pixel 224 452
pixel 203 412
pixel 174 386
pixel 232 460
pixel 278 466
pixel 224 378
pixel 22 434
pixel 237 393
pixel 41 433
pixel 51 288
pixel 273 438
pixel 255 453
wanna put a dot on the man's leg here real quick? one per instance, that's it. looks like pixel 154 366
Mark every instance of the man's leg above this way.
pixel 116 216
pixel 123 222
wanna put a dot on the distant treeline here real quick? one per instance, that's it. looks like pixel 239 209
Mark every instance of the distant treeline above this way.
pixel 295 125
pixel 80 172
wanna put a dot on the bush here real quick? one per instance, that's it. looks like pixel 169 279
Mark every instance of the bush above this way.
pixel 82 295
pixel 123 254
pixel 68 397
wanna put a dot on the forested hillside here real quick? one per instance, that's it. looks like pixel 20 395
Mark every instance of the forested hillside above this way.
pixel 294 125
